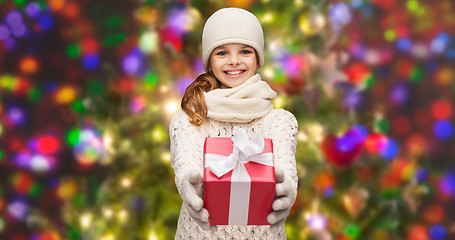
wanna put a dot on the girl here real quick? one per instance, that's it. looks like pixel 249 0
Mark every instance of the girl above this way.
pixel 230 94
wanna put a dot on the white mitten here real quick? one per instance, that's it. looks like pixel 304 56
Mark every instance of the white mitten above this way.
pixel 283 202
pixel 191 195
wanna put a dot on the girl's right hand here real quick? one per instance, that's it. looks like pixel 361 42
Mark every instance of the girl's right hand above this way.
pixel 192 191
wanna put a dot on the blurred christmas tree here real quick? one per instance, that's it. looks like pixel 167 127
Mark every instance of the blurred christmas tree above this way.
pixel 346 69
pixel 344 193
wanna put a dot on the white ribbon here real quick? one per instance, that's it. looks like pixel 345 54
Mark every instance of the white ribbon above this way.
pixel 245 150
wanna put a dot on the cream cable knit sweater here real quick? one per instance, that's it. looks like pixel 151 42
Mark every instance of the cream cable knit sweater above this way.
pixel 187 143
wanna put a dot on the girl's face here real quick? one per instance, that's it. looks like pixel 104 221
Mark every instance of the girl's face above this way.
pixel 233 64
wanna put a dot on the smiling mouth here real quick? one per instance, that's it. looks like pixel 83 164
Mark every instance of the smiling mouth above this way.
pixel 234 72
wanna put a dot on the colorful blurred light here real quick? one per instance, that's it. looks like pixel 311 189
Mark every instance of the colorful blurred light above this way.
pixel 90 61
pixel 416 144
pixel 391 149
pixel 28 65
pixel 443 129
pixel 357 50
pixel 56 5
pixel 4 32
pixel 197 66
pixel 132 63
pixel 73 137
pixel 433 213
pixel 183 20
pixel 375 142
pixel 447 184
pixel 73 50
pixel 172 107
pixel 146 14
pixel 445 76
pixel 148 42
pixel 126 84
pixel 412 5
pixel 407 169
pixel 182 84
pixel 10 44
pixel 21 86
pixel 13 18
pixel 439 44
pixel 349 140
pixel 421 174
pixel 357 72
pixel 33 9
pixel 437 232
pixel 50 236
pixel 66 189
pixel 399 93
pixel 352 99
pixel 340 14
pixel 45 22
pixel 40 164
pixel 356 3
pixel 85 220
pixel 7 82
pixel 390 35
pixel 150 80
pixel 317 222
pixel 65 94
pixel 441 109
pixel 18 209
pixel 159 133
pixel 420 51
pixel 312 22
pixel 19 2
pixel 89 149
pixel 324 181
pixel 293 65
pixel 381 124
pixel 89 46
pixel 137 104
pixel 352 231
pixel 16 115
pixel 362 130
pixel 22 182
pixel 22 159
pixel 48 145
pixel 170 38
pixel 71 9
pixel 404 44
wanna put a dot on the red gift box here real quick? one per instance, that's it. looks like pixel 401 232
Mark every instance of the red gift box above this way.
pixel 238 202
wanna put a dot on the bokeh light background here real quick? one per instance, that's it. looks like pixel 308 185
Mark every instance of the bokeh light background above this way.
pixel 72 71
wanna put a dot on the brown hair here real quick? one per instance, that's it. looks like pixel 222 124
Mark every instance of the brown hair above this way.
pixel 193 102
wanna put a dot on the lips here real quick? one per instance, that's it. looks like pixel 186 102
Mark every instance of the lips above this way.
pixel 236 72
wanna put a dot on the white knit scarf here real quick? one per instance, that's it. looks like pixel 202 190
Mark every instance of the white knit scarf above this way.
pixel 243 103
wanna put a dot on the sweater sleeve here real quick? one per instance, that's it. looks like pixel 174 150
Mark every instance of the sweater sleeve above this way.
pixel 186 147
pixel 283 132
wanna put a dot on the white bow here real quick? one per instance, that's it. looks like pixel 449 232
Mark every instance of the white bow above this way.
pixel 245 150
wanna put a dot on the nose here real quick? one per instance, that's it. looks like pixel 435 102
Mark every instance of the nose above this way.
pixel 234 60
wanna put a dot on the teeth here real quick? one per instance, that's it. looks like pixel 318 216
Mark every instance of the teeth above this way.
pixel 234 72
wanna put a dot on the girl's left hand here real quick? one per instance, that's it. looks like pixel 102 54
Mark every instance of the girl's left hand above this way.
pixel 283 203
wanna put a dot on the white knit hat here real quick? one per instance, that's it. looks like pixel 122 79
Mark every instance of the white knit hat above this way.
pixel 232 25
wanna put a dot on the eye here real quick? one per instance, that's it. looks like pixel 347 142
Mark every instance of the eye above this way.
pixel 221 53
pixel 246 52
